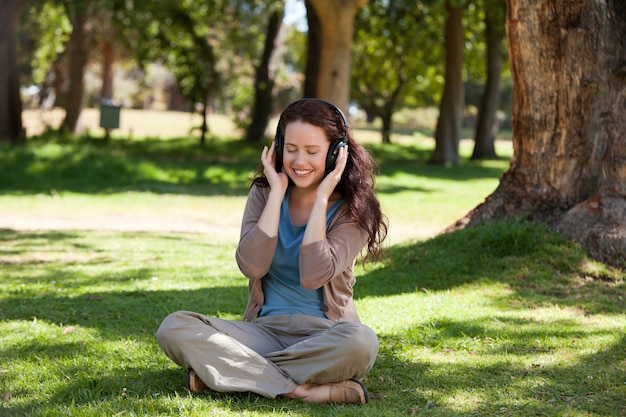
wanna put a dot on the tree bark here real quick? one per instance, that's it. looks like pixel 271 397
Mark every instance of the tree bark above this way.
pixel 448 131
pixel 314 42
pixel 264 80
pixel 487 126
pixel 11 128
pixel 108 57
pixel 78 54
pixel 337 28
pixel 568 65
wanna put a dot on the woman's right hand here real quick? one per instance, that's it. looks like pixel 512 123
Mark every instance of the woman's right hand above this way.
pixel 277 180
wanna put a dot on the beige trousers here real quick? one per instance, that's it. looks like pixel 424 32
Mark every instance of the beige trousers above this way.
pixel 269 356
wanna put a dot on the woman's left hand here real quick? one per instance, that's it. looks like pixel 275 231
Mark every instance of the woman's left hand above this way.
pixel 328 184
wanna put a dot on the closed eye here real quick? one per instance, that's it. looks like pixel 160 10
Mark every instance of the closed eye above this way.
pixel 310 151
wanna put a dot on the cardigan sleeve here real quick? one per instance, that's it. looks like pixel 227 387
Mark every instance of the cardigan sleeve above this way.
pixel 333 257
pixel 255 250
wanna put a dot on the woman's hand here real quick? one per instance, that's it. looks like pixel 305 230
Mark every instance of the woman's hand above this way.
pixel 328 184
pixel 278 180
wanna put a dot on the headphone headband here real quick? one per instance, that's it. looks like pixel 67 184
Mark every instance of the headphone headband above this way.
pixel 329 104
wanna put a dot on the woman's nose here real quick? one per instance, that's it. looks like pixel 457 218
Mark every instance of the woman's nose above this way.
pixel 301 157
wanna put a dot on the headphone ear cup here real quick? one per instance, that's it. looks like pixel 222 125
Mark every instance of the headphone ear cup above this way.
pixel 331 156
pixel 279 142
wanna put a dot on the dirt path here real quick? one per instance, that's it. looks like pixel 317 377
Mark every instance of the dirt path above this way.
pixel 133 223
pixel 28 222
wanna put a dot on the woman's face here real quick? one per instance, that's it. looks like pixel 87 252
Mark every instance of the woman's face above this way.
pixel 304 155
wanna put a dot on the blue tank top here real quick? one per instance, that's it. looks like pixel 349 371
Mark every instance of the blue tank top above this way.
pixel 281 286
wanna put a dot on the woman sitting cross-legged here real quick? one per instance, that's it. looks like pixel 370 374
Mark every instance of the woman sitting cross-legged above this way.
pixel 310 213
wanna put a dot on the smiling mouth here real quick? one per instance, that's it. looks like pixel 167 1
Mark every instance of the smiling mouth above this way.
pixel 302 172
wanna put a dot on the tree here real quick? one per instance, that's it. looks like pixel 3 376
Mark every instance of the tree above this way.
pixel 336 22
pixel 264 79
pixel 44 30
pixel 79 13
pixel 108 44
pixel 486 128
pixel 179 35
pixel 314 45
pixel 568 65
pixel 393 44
pixel 11 129
pixel 448 130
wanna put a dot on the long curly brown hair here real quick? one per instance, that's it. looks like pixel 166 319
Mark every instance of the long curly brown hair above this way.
pixel 357 181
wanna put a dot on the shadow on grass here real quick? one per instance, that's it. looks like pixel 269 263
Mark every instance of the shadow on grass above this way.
pixel 541 267
pixel 124 313
pixel 55 163
pixel 527 382
pixel 164 167
pixel 100 281
pixel 141 390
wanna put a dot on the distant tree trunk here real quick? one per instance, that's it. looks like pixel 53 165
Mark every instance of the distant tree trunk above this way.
pixel 204 127
pixel 11 129
pixel 78 54
pixel 568 65
pixel 337 28
pixel 387 110
pixel 107 70
pixel 314 48
pixel 264 81
pixel 487 126
pixel 386 127
pixel 59 80
pixel 448 131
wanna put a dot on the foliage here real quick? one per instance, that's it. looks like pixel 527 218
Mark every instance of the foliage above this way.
pixel 173 33
pixel 49 29
pixel 391 39
pixel 399 50
pixel 387 52
pixel 211 48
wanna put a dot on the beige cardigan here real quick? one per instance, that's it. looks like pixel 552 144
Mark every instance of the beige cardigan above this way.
pixel 327 263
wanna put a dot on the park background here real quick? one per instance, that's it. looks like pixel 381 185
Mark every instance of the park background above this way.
pixel 103 235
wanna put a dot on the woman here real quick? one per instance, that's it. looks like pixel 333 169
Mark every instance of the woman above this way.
pixel 311 211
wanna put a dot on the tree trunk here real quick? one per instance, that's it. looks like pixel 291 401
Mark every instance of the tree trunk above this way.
pixel 487 126
pixel 107 70
pixel 448 131
pixel 314 42
pixel 204 127
pixel 387 109
pixel 337 28
pixel 11 129
pixel 78 54
pixel 264 82
pixel 386 127
pixel 568 64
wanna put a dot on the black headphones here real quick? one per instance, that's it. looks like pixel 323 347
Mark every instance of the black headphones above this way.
pixel 333 150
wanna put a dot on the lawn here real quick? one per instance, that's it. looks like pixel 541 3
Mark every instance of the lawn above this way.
pixel 99 242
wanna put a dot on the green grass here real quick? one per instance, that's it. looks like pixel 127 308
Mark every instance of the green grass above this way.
pixel 507 319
